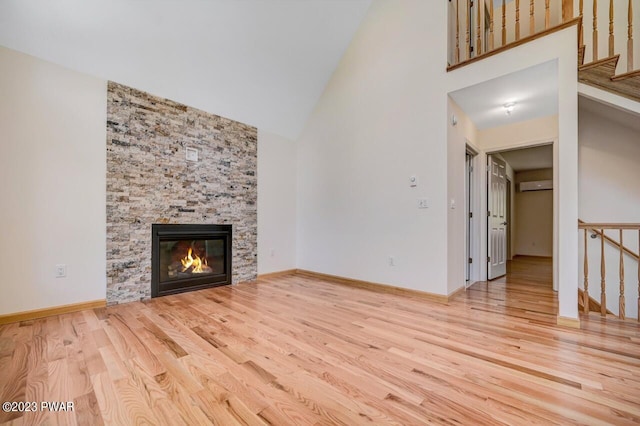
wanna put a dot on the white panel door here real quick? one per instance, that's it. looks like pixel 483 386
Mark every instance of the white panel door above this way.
pixel 497 223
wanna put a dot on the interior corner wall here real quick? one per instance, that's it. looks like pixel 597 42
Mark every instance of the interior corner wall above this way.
pixel 381 119
pixel 52 174
pixel 277 160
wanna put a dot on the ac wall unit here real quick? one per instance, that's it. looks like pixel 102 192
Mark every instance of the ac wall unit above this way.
pixel 538 185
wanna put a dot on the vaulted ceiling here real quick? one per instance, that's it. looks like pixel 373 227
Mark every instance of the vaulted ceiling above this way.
pixel 262 62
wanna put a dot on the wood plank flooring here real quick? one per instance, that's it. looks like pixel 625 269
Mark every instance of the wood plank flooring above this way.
pixel 526 291
pixel 296 351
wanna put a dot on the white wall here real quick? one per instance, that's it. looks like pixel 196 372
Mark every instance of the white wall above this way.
pixel 276 203
pixel 559 46
pixel 609 155
pixel 534 216
pixel 52 184
pixel 381 119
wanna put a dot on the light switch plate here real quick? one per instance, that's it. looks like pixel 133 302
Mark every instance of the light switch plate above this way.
pixel 61 270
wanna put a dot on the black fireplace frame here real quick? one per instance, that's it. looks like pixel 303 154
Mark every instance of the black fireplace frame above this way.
pixel 163 232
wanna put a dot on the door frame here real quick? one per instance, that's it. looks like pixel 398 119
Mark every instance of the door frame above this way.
pixel 482 198
pixel 472 255
pixel 510 188
pixel 473 225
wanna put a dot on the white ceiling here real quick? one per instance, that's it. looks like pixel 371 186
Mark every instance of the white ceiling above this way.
pixel 262 62
pixel 539 157
pixel 534 90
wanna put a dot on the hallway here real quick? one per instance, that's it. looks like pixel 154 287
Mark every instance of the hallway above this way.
pixel 525 292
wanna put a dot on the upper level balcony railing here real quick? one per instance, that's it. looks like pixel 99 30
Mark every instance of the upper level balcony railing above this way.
pixel 479 28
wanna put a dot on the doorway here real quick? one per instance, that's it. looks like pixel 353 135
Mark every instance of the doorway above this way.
pixel 525 231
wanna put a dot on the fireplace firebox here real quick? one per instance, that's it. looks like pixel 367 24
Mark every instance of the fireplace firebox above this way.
pixel 189 257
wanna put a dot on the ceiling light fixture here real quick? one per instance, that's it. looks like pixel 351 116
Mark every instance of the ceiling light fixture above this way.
pixel 508 107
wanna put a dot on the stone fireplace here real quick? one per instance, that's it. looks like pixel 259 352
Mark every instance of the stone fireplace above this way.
pixel 189 257
pixel 169 164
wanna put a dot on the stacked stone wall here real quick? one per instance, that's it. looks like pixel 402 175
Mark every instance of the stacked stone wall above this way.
pixel 149 180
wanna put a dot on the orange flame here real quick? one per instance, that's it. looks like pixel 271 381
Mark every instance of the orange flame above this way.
pixel 194 263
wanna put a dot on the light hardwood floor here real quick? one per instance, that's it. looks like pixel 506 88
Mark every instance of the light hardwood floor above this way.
pixel 294 351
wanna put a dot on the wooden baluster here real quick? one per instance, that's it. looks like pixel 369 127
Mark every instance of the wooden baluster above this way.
pixel 586 275
pixel 491 42
pixel 621 307
pixel 504 22
pixel 567 10
pixel 479 33
pixel 517 19
pixel 547 15
pixel 457 52
pixel 603 282
pixel 581 6
pixel 611 39
pixel 630 47
pixel 468 15
pixel 532 19
pixel 595 30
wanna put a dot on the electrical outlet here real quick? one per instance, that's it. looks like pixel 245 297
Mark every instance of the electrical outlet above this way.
pixel 392 261
pixel 61 270
pixel 423 203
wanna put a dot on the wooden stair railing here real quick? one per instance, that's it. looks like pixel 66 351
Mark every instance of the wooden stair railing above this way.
pixel 598 230
pixel 480 17
pixel 600 72
pixel 594 305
